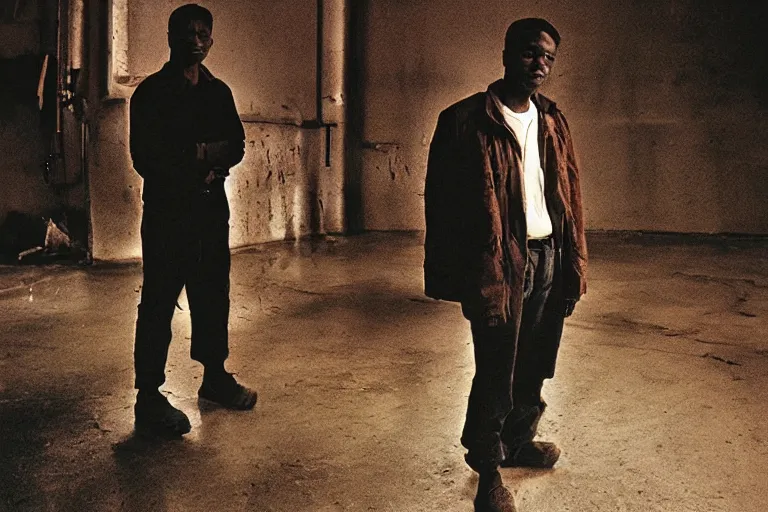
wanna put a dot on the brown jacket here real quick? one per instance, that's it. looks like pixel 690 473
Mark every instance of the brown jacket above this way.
pixel 475 247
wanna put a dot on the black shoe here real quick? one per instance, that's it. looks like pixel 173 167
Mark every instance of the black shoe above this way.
pixel 533 454
pixel 224 390
pixel 155 415
pixel 492 496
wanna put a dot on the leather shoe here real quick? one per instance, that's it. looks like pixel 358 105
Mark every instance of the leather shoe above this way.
pixel 533 454
pixel 492 496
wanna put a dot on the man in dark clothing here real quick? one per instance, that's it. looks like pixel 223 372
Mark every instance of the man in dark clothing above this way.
pixel 185 136
pixel 505 238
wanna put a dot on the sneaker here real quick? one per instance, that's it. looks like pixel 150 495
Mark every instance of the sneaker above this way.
pixel 533 454
pixel 225 391
pixel 492 496
pixel 155 415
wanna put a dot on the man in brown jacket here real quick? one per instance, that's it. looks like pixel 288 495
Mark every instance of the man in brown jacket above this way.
pixel 505 238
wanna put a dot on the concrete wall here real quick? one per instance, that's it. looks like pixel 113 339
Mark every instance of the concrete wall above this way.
pixel 667 101
pixel 266 52
pixel 22 141
pixel 279 191
pixel 666 98
pixel 23 153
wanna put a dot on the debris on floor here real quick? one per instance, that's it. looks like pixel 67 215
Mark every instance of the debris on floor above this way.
pixel 31 239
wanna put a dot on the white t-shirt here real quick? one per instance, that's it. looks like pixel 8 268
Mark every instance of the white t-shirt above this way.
pixel 525 126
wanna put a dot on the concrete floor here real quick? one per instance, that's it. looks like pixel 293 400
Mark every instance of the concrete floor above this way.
pixel 658 403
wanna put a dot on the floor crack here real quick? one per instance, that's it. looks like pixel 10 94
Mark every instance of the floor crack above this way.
pixel 721 359
pixel 728 281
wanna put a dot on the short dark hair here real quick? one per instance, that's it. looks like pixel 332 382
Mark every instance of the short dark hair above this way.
pixel 182 16
pixel 525 27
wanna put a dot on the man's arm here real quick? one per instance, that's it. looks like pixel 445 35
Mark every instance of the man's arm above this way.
pixel 223 154
pixel 441 262
pixel 462 259
pixel 235 132
pixel 575 261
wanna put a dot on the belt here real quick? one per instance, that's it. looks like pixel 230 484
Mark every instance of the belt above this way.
pixel 541 243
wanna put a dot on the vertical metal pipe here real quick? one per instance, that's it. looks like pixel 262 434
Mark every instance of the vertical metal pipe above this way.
pixel 59 66
pixel 76 22
pixel 319 56
pixel 332 65
pixel 354 89
pixel 328 179
pixel 84 146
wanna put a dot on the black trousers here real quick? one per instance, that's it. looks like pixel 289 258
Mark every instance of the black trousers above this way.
pixel 183 247
pixel 505 400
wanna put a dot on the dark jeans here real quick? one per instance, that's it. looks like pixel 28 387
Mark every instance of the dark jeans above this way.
pixel 183 248
pixel 505 400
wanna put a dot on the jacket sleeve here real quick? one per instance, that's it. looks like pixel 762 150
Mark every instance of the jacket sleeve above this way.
pixel 462 257
pixel 235 135
pixel 575 252
pixel 441 262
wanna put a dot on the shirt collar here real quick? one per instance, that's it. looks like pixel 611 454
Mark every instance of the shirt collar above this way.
pixel 175 74
pixel 493 102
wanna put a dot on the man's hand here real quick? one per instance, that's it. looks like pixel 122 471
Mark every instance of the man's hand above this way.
pixel 217 173
pixel 570 305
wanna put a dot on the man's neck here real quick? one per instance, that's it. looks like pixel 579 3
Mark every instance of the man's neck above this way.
pixel 516 99
pixel 191 72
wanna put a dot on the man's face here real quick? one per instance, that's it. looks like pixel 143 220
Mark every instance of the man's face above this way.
pixel 528 64
pixel 191 45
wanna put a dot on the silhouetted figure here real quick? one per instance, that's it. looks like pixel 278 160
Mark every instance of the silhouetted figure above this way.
pixel 185 136
pixel 505 238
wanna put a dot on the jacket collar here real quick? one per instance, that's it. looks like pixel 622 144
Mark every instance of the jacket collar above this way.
pixel 174 74
pixel 543 104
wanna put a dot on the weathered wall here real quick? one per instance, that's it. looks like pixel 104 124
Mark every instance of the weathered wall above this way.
pixel 279 190
pixel 22 147
pixel 667 101
pixel 23 154
pixel 266 52
pixel 282 190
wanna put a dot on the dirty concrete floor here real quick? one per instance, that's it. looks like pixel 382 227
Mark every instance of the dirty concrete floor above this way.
pixel 659 401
